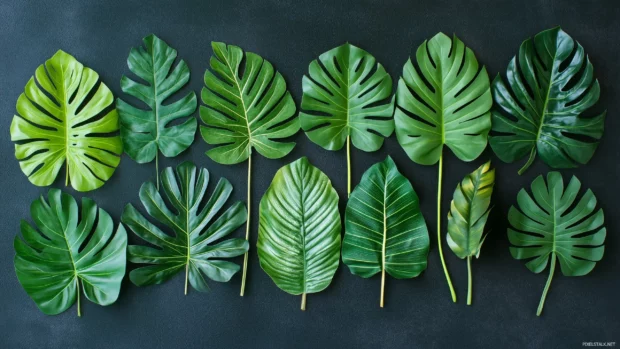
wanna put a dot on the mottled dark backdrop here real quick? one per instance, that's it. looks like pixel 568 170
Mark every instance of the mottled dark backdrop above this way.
pixel 419 312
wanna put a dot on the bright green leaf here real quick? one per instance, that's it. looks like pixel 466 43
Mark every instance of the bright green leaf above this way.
pixel 66 114
pixel 384 227
pixel 553 225
pixel 145 132
pixel 299 230
pixel 550 85
pixel 70 249
pixel 194 228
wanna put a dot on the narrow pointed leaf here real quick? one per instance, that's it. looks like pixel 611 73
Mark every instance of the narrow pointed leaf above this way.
pixel 539 108
pixel 469 212
pixel 445 100
pixel 346 93
pixel 384 227
pixel 246 106
pixel 557 222
pixel 299 229
pixel 66 114
pixel 148 129
pixel 68 250
pixel 194 223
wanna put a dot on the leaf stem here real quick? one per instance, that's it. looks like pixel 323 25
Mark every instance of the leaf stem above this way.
pixel 67 174
pixel 469 280
pixel 157 170
pixel 547 285
pixel 247 227
pixel 443 262
pixel 382 287
pixel 186 276
pixel 529 161
pixel 77 285
pixel 303 301
pixel 348 166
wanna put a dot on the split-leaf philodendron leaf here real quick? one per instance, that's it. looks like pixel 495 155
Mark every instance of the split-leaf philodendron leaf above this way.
pixel 553 225
pixel 468 215
pixel 446 100
pixel 192 220
pixel 384 227
pixel 70 250
pixel 247 106
pixel 66 114
pixel 345 98
pixel 299 230
pixel 550 85
pixel 146 132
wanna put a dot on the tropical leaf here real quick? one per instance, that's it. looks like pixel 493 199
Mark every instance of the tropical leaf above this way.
pixel 468 215
pixel 553 225
pixel 445 100
pixel 146 132
pixel 385 230
pixel 246 106
pixel 67 249
pixel 540 110
pixel 299 230
pixel 346 98
pixel 66 114
pixel 194 226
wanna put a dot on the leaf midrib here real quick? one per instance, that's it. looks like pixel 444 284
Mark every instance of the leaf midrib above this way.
pixel 245 111
pixel 545 105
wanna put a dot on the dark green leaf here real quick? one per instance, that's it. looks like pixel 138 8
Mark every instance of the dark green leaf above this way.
pixel 66 114
pixel 245 111
pixel 446 100
pixel 147 131
pixel 345 95
pixel 553 225
pixel 550 85
pixel 385 230
pixel 299 229
pixel 194 226
pixel 469 212
pixel 69 249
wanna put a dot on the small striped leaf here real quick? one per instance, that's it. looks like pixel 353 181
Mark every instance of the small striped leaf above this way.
pixel 384 227
pixel 299 229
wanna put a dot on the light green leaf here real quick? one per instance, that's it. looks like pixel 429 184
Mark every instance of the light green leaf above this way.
pixel 553 226
pixel 299 230
pixel 66 114
pixel 70 249
pixel 194 227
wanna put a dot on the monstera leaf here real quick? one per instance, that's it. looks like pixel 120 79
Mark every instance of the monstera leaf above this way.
pixel 468 215
pixel 553 225
pixel 550 85
pixel 66 114
pixel 70 249
pixel 345 99
pixel 146 132
pixel 246 107
pixel 299 230
pixel 444 101
pixel 194 226
pixel 384 228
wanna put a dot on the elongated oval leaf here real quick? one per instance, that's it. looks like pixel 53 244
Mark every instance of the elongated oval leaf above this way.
pixel 245 111
pixel 445 100
pixel 67 250
pixel 145 132
pixel 385 229
pixel 540 109
pixel 194 229
pixel 299 229
pixel 552 225
pixel 66 114
pixel 346 95
pixel 469 212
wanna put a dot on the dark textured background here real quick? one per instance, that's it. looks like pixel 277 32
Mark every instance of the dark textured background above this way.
pixel 419 312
